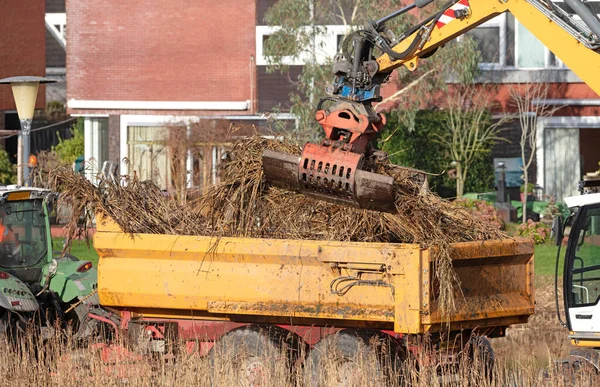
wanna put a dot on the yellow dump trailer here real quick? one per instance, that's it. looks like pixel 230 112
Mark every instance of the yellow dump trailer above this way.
pixel 312 283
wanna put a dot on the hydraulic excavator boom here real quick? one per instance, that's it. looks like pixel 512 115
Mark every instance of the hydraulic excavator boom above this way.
pixel 335 169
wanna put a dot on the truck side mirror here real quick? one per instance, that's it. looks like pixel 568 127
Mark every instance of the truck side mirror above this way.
pixel 557 232
pixel 52 268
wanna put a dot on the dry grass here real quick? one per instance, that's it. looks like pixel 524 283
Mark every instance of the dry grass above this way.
pixel 60 362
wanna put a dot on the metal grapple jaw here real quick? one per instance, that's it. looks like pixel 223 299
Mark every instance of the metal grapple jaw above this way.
pixel 330 174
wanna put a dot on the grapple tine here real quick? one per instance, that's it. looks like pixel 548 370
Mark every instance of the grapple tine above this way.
pixel 331 175
pixel 281 169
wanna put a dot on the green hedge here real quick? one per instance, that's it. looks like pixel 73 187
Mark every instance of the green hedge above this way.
pixel 420 149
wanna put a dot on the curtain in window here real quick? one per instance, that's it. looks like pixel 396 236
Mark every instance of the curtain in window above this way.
pixel 531 52
pixel 561 162
pixel 148 155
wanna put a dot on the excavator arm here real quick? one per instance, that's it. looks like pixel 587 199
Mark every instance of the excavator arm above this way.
pixel 575 42
pixel 335 169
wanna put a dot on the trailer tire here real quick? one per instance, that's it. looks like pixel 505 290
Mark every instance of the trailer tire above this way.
pixel 482 356
pixel 355 358
pixel 254 356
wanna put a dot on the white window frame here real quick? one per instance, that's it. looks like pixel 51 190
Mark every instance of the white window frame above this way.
pixel 57 19
pixel 95 144
pixel 326 45
pixel 547 53
pixel 500 23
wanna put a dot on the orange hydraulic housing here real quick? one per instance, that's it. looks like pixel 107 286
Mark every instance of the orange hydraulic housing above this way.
pixel 333 170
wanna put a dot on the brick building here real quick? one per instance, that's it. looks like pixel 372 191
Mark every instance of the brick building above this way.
pixel 135 68
pixel 31 43
pixel 567 142
pixel 22 51
pixel 197 63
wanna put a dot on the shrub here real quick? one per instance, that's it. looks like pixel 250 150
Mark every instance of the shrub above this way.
pixel 538 231
pixel 8 170
pixel 420 148
pixel 530 188
pixel 482 210
pixel 554 209
pixel 69 150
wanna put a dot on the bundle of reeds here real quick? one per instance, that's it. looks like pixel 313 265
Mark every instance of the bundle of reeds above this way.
pixel 244 204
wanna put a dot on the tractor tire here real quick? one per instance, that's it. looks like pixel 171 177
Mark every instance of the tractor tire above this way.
pixel 355 358
pixel 253 356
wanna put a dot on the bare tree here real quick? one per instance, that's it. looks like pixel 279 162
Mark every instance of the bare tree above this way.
pixel 471 131
pixel 529 100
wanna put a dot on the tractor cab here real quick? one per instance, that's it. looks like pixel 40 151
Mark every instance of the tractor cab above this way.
pixel 31 279
pixel 25 243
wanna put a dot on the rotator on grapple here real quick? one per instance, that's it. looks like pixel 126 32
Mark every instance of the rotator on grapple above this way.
pixel 334 170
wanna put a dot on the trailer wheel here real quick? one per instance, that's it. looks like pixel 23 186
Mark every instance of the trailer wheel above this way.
pixel 482 356
pixel 355 358
pixel 254 356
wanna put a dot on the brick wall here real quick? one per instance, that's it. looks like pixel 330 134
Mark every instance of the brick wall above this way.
pixel 164 50
pixel 22 45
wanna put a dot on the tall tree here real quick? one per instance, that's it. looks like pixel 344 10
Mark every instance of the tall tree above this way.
pixel 299 25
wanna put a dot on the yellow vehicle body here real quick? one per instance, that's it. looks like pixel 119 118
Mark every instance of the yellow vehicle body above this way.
pixel 301 282
pixel 583 61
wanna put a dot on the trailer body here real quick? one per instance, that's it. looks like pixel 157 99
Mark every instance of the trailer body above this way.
pixel 384 286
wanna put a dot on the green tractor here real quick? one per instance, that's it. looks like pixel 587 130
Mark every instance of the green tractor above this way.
pixel 37 287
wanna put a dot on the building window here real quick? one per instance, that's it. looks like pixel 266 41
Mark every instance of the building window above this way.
pixel 506 44
pixel 326 44
pixel 148 155
pixel 491 41
pixel 95 131
pixel 531 53
pixel 488 43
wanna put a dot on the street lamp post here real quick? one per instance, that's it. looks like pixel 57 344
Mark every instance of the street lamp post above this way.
pixel 24 91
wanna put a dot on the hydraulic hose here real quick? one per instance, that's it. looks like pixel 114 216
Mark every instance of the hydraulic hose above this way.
pixel 586 15
pixel 419 38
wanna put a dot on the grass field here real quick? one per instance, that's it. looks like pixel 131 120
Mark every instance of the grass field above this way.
pixel 545 259
pixel 79 248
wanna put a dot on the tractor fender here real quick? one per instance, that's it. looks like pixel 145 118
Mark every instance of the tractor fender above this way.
pixel 71 285
pixel 15 296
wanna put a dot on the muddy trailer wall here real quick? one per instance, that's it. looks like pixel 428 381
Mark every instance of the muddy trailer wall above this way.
pixel 321 283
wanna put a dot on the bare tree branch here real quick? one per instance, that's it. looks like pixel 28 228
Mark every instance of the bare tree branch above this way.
pixel 470 132
pixel 529 100
pixel 406 88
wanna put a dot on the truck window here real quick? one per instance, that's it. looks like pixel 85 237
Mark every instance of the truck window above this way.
pixel 585 263
pixel 23 239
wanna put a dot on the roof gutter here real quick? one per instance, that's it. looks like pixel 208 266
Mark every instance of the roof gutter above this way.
pixel 157 105
pixel 567 102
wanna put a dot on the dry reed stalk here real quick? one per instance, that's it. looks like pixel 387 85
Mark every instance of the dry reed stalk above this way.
pixel 61 362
